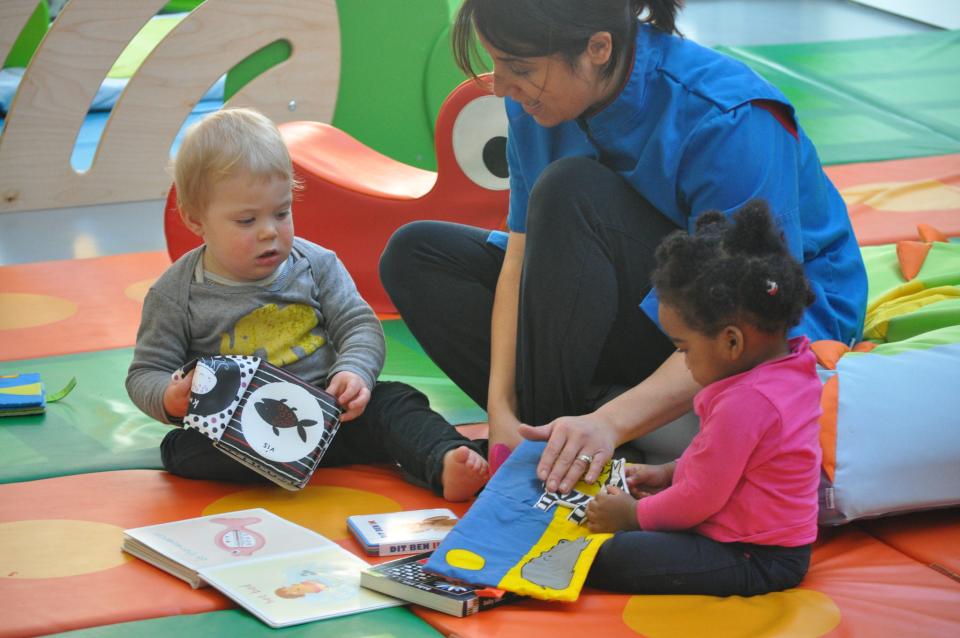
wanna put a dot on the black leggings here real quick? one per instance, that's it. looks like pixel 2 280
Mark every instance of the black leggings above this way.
pixel 590 242
pixel 643 562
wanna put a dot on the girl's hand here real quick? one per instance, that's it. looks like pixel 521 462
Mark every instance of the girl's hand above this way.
pixel 351 392
pixel 612 510
pixel 644 480
pixel 176 396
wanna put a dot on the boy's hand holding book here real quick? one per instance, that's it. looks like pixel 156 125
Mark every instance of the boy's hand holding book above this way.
pixel 176 397
pixel 351 392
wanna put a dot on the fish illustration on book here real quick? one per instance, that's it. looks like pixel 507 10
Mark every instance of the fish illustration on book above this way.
pixel 237 539
pixel 278 415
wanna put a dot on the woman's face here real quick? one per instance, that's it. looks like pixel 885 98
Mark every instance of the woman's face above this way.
pixel 548 88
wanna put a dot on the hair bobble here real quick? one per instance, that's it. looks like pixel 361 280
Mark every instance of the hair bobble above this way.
pixel 772 287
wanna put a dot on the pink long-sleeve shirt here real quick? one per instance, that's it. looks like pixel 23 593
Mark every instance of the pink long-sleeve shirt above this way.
pixel 752 471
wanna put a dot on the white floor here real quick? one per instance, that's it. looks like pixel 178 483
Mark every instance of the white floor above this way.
pixel 134 227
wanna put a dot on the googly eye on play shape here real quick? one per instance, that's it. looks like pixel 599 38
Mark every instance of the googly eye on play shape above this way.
pixel 480 142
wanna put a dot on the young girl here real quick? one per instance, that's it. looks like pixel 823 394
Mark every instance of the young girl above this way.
pixel 737 513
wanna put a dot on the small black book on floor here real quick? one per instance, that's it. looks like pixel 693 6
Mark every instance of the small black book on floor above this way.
pixel 405 579
pixel 264 417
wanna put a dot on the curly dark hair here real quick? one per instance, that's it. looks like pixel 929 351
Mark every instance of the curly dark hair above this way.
pixel 732 270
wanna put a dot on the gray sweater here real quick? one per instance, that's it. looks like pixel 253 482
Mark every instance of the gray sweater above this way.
pixel 310 320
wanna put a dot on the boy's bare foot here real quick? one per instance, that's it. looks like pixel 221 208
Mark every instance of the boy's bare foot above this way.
pixel 464 472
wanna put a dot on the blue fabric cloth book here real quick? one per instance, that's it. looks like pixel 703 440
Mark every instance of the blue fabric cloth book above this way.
pixel 24 394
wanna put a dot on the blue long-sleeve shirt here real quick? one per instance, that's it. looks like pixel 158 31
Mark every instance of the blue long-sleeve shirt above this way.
pixel 693 130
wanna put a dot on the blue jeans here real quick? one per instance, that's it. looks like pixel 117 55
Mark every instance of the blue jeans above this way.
pixel 643 562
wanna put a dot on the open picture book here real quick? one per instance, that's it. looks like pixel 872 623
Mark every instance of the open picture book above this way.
pixel 282 573
pixel 264 417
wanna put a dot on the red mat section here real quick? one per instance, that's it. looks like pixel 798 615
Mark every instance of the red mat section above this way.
pixel 64 307
pixel 857 586
pixel 887 200
pixel 930 538
pixel 62 567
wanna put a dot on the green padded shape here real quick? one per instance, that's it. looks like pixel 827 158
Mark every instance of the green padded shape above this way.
pixel 869 100
pixel 29 38
pixel 389 94
pixel 180 6
pixel 253 65
pixel 396 622
pixel 146 40
pixel 406 361
pixel 97 427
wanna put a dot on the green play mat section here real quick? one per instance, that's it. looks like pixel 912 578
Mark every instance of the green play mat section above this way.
pixel 385 623
pixel 98 428
pixel 869 100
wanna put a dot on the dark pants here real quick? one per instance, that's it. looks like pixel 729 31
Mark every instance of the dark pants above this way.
pixel 590 242
pixel 397 426
pixel 644 562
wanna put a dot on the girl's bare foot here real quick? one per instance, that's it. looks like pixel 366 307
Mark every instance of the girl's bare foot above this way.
pixel 464 473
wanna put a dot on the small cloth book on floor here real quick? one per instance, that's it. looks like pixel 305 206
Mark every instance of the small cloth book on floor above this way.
pixel 282 573
pixel 411 532
pixel 405 579
pixel 261 415
pixel 23 394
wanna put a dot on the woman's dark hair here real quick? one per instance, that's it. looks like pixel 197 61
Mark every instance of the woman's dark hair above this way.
pixel 534 28
pixel 732 270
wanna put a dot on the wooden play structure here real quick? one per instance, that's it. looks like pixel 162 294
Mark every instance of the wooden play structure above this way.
pixel 78 51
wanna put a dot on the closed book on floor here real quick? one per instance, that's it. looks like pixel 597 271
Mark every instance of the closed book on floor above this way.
pixel 405 579
pixel 393 533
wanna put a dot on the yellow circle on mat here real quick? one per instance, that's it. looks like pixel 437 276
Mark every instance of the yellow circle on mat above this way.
pixel 795 613
pixel 323 508
pixel 26 310
pixel 138 290
pixel 58 548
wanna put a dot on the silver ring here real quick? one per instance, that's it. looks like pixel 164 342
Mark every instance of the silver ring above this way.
pixel 585 458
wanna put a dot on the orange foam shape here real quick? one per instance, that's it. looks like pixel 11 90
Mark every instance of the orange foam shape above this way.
pixel 829 404
pixel 864 346
pixel 929 233
pixel 911 255
pixel 828 352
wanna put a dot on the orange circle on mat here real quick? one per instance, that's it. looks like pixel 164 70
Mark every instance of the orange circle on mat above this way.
pixel 26 310
pixel 138 290
pixel 58 548
pixel 322 508
pixel 795 613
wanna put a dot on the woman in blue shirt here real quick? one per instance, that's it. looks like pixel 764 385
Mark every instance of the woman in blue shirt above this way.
pixel 620 131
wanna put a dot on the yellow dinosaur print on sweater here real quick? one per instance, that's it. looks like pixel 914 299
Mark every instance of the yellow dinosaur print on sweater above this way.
pixel 281 335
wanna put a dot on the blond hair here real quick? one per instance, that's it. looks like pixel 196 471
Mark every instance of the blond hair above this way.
pixel 226 143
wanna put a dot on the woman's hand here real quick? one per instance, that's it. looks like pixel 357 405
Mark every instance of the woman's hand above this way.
pixel 644 480
pixel 612 510
pixel 571 441
pixel 351 392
